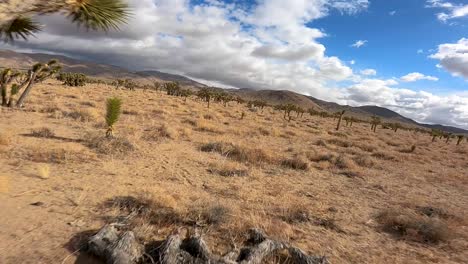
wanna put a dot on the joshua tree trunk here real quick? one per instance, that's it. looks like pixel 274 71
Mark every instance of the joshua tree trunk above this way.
pixel 459 140
pixel 448 139
pixel 30 83
pixel 434 138
pixel 339 123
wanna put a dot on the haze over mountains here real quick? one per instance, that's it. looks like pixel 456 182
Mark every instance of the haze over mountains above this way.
pixel 25 60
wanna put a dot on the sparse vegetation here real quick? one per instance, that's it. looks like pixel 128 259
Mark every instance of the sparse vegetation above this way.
pixel 113 110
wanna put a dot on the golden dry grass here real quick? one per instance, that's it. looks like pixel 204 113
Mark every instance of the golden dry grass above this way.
pixel 179 164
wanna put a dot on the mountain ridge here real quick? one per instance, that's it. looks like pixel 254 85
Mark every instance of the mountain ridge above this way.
pixel 24 60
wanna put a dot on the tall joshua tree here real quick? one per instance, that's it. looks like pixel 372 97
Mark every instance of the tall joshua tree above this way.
pixel 340 117
pixel 16 15
pixel 38 73
pixel 460 139
pixel 113 110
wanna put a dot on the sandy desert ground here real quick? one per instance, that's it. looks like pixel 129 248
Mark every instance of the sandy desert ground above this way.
pixel 354 195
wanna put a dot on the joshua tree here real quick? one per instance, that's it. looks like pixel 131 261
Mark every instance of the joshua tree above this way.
pixel 375 122
pixel 242 115
pixel 206 95
pixel 396 126
pixel 435 133
pixel 185 93
pixel 349 121
pixel 460 139
pixel 72 79
pixel 313 112
pixel 38 73
pixel 16 15
pixel 447 136
pixel 172 88
pixel 113 110
pixel 340 116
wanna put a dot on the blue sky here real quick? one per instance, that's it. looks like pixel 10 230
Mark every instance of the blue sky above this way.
pixel 307 46
pixel 394 40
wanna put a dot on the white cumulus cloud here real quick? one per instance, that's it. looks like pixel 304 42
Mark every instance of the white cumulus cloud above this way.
pixel 453 57
pixel 452 11
pixel 369 72
pixel 416 76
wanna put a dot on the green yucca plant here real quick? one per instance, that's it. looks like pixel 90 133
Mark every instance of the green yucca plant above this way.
pixel 91 14
pixel 113 110
pixel 20 27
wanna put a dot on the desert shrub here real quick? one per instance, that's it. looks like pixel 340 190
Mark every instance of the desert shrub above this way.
pixel 84 115
pixel 209 214
pixel 295 163
pixel 409 225
pixel 321 143
pixel 383 155
pixel 295 214
pixel 408 150
pixel 72 79
pixel 109 145
pixel 238 153
pixel 42 132
pixel 316 157
pixel 343 162
pixel 203 126
pixel 155 210
pixel 340 143
pixel 364 161
pixel 5 139
pixel 366 147
pixel 163 131
pixel 230 170
pixel 263 131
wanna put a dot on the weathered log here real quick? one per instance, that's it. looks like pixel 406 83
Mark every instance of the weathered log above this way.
pixel 118 247
pixel 114 247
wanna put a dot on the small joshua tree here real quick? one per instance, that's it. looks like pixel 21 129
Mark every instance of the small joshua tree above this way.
pixel 340 117
pixel 447 136
pixel 460 139
pixel 113 110
pixel 375 122
pixel 435 133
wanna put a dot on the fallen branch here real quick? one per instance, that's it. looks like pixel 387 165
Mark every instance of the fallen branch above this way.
pixel 121 247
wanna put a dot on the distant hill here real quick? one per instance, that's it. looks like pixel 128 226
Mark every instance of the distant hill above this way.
pixel 275 97
pixel 13 59
pixel 25 60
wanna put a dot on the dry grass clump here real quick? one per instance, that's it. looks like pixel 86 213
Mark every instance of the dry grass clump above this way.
pixel 229 169
pixel 203 126
pixel 42 132
pixel 408 150
pixel 163 131
pixel 321 143
pixel 295 214
pixel 383 155
pixel 316 157
pixel 296 163
pixel 116 145
pixel 340 143
pixel 238 153
pixel 409 225
pixel 209 214
pixel 55 155
pixel 5 139
pixel 343 162
pixel 366 147
pixel 365 161
pixel 84 115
